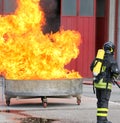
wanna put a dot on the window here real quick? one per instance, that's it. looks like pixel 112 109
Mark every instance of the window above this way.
pixel 9 6
pixel 69 7
pixel 100 8
pixel 86 7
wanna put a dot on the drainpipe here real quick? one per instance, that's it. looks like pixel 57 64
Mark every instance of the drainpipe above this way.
pixel 118 47
pixel 111 34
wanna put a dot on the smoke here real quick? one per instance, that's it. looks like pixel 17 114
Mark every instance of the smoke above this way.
pixel 51 9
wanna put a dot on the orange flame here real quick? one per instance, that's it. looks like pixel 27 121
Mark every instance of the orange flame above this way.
pixel 27 53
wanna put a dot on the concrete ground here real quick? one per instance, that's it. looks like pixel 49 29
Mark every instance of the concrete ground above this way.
pixel 59 110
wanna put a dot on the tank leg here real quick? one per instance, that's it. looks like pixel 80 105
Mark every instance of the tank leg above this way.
pixel 44 101
pixel 78 99
pixel 7 100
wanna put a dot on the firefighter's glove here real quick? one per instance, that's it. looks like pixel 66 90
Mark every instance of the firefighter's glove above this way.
pixel 95 79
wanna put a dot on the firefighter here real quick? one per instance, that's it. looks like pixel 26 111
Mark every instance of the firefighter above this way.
pixel 103 81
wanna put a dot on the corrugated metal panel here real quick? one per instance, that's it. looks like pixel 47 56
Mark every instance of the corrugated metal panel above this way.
pixel 86 26
pixel 100 31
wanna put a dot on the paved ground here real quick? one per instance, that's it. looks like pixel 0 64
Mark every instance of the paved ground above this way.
pixel 59 110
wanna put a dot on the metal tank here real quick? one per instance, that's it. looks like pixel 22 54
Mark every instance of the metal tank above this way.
pixel 42 89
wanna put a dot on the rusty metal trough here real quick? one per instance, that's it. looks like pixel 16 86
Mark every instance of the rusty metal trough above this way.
pixel 42 89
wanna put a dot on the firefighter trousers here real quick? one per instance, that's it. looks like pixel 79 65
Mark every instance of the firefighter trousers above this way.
pixel 103 96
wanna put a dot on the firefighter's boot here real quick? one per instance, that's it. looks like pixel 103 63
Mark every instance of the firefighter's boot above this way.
pixel 103 120
pixel 108 122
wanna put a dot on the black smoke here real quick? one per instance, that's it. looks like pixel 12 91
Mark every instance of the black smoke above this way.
pixel 51 9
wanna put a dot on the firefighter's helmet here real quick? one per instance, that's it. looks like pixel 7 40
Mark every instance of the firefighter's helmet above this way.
pixel 109 47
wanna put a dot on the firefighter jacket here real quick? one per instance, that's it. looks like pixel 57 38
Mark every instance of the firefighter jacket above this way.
pixel 109 71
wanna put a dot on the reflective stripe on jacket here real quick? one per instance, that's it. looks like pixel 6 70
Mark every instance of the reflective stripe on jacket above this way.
pixel 101 84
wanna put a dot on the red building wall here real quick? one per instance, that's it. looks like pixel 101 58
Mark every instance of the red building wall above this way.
pixel 86 26
pixel 87 48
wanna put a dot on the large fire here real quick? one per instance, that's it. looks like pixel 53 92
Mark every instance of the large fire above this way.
pixel 27 53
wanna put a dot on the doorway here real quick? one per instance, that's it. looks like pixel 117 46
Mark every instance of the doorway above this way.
pixel 102 22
